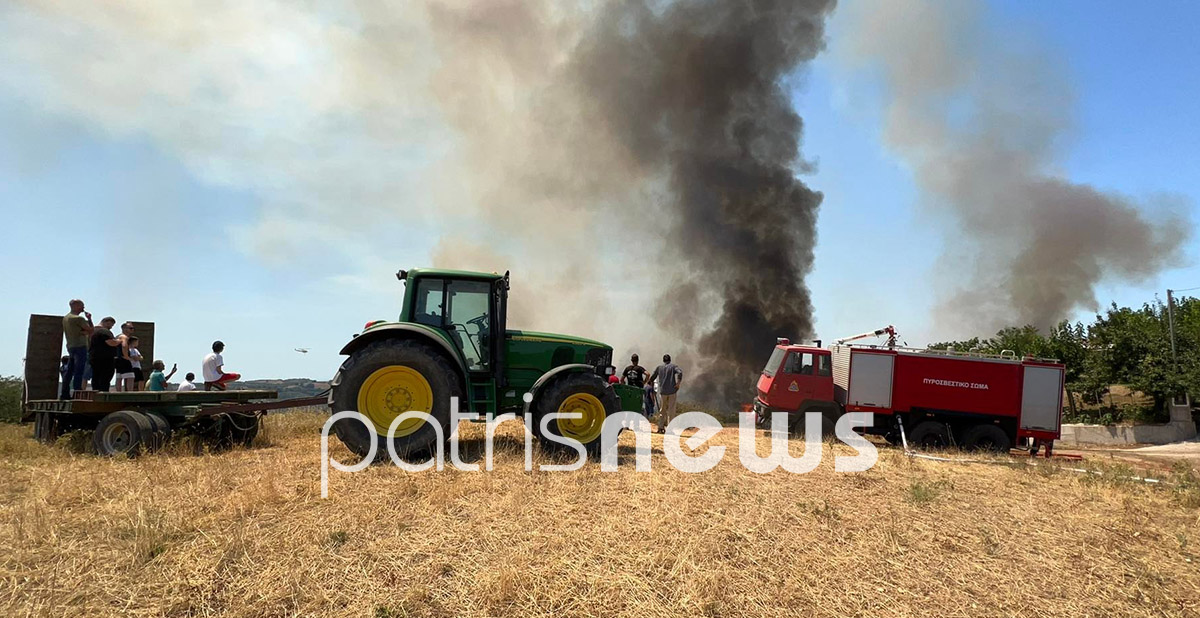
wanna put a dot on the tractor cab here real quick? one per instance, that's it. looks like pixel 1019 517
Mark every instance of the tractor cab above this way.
pixel 793 375
pixel 469 307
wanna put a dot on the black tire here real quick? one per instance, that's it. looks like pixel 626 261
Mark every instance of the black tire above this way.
pixel 930 434
pixel 443 379
pixel 160 430
pixel 45 427
pixel 120 432
pixel 985 437
pixel 552 397
pixel 243 428
pixel 799 426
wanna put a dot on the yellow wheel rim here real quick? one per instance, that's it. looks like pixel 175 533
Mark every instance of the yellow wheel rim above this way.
pixel 587 427
pixel 392 391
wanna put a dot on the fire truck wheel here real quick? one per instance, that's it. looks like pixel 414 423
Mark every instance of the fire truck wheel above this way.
pixel 930 434
pixel 799 425
pixel 986 438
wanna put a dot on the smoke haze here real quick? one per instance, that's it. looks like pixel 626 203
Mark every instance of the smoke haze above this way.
pixel 633 163
pixel 979 121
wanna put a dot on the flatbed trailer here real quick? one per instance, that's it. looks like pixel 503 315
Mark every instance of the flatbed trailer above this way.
pixel 134 422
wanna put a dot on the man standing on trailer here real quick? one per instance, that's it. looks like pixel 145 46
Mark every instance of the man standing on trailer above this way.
pixel 102 352
pixel 668 376
pixel 77 327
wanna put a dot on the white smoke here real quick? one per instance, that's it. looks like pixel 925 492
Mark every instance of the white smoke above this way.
pixel 981 117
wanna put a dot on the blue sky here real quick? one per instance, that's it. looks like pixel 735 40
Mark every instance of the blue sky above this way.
pixel 115 215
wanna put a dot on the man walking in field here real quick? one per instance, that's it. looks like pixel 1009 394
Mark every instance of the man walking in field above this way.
pixel 668 376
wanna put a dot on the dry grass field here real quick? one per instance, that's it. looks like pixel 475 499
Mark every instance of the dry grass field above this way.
pixel 246 533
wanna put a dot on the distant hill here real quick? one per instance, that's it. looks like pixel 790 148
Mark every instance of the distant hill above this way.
pixel 288 388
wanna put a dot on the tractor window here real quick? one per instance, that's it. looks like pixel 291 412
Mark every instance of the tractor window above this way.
pixel 824 365
pixel 800 363
pixel 427 309
pixel 468 320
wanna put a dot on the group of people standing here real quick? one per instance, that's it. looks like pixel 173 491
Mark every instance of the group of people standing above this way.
pixel 659 387
pixel 96 355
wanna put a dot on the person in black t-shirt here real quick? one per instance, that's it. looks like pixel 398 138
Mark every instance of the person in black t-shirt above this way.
pixel 103 350
pixel 634 374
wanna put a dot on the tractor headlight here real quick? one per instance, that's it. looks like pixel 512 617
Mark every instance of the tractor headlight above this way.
pixel 606 370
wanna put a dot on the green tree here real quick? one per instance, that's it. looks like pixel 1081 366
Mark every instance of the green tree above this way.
pixel 11 388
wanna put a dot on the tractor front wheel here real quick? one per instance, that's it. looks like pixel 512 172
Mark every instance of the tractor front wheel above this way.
pixel 386 379
pixel 587 398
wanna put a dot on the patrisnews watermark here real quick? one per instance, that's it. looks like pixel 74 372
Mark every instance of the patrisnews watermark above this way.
pixel 705 425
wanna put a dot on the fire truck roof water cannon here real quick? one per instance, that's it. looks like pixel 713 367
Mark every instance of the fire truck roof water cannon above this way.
pixel 935 398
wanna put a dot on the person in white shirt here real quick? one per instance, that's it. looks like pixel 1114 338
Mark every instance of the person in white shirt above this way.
pixel 215 376
pixel 188 383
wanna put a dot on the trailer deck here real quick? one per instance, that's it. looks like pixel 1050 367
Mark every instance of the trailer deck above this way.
pixel 93 402
pixel 130 422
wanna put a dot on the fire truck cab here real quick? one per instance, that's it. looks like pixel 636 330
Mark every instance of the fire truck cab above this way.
pixel 796 378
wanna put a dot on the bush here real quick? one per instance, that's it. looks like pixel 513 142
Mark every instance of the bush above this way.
pixel 11 388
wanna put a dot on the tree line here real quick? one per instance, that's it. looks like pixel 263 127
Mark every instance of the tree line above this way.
pixel 1124 345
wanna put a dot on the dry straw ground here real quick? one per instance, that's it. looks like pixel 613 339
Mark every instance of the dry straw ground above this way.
pixel 246 534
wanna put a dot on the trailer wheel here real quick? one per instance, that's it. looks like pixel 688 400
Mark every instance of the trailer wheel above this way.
pixel 984 437
pixel 46 427
pixel 930 434
pixel 581 393
pixel 160 430
pixel 243 428
pixel 124 431
pixel 387 378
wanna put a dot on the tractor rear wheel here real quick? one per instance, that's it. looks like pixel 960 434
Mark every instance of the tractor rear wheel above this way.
pixel 124 431
pixel 984 437
pixel 583 394
pixel 386 379
pixel 930 434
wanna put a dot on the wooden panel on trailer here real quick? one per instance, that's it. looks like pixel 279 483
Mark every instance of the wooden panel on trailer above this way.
pixel 43 355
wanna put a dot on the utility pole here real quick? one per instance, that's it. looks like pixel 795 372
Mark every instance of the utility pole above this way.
pixel 1171 326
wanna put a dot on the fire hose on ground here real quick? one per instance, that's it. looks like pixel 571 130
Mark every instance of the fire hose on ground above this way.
pixel 962 460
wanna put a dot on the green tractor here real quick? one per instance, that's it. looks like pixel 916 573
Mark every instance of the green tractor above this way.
pixel 447 343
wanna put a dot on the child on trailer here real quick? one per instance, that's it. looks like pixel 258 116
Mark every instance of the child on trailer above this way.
pixel 135 360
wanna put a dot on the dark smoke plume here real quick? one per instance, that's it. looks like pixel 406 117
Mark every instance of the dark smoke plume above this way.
pixel 698 92
pixel 674 117
pixel 980 120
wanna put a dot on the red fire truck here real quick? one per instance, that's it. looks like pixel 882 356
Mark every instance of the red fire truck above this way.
pixel 940 398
